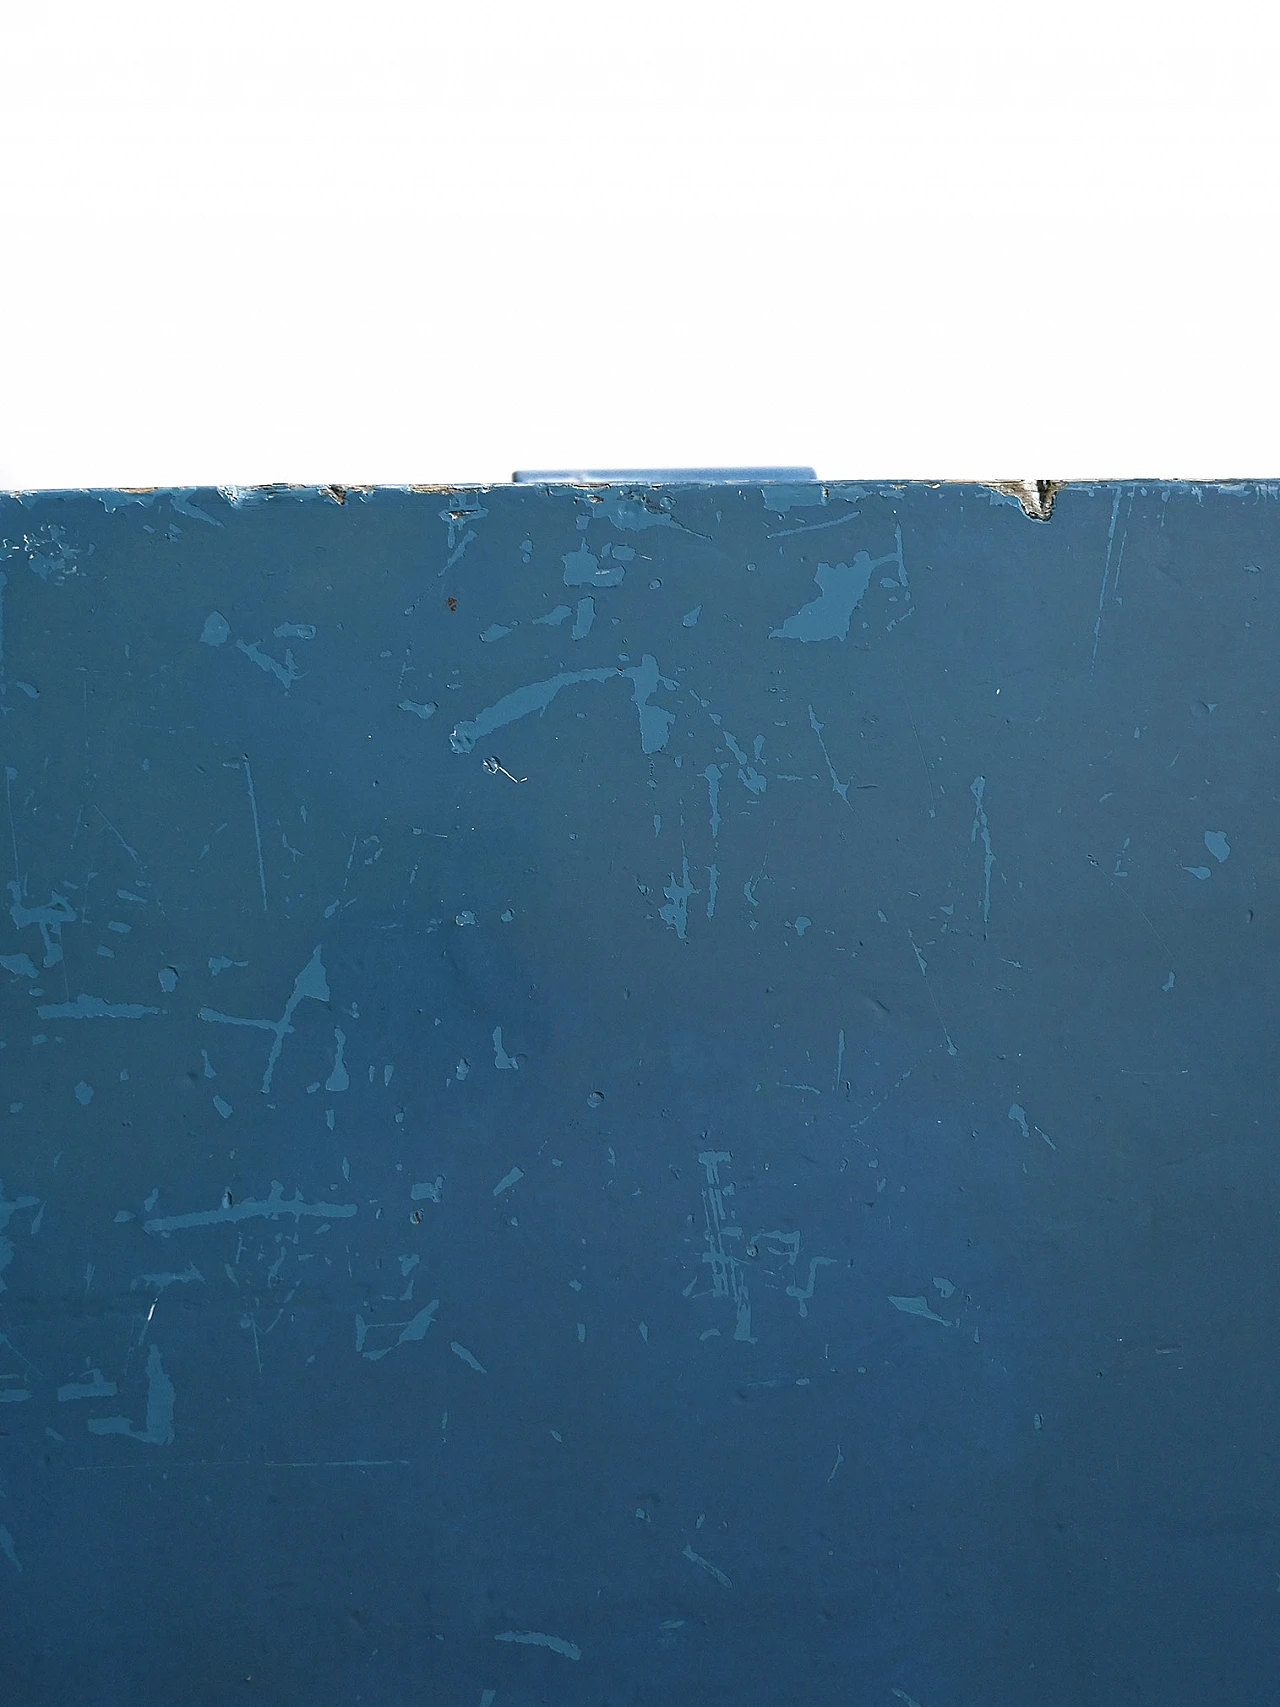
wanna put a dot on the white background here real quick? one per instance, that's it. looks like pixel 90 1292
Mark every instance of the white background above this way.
pixel 354 243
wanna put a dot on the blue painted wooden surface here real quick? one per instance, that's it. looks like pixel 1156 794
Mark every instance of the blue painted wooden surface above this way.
pixel 633 1097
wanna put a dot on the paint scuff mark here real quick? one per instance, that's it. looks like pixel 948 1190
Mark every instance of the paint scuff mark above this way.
pixel 918 1306
pixel 537 1639
pixel 707 1566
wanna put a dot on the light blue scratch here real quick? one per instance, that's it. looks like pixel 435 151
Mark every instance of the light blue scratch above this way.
pixel 1018 1115
pixel 1106 571
pixel 415 1329
pixel 7 1207
pixel 94 1007
pixel 90 1386
pixel 918 1307
pixel 339 1079
pixel 160 1401
pixel 706 1565
pixel 49 919
pixel 158 1282
pixel 977 788
pixel 257 830
pixel 837 787
pixel 271 1206
pixel 713 773
pixel 310 982
pixel 536 1639
pixel 288 672
pixel 805 1293
pixel 655 723
pixel 471 1361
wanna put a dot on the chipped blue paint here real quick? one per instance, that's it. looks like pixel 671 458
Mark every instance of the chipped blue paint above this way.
pixel 582 569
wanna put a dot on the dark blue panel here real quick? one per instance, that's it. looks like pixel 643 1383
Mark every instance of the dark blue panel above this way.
pixel 640 1096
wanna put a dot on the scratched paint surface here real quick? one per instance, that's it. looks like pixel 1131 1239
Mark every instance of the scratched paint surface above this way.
pixel 651 1096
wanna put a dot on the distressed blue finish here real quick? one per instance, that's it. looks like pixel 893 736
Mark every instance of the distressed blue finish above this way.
pixel 640 1096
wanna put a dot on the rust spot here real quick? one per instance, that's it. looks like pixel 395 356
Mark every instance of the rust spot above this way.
pixel 453 603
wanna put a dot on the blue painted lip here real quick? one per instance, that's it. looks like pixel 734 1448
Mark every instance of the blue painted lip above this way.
pixel 660 476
